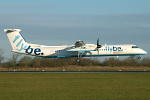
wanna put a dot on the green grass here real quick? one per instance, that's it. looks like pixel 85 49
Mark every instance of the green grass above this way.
pixel 78 68
pixel 74 86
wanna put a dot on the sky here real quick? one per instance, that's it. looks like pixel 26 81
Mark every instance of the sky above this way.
pixel 62 22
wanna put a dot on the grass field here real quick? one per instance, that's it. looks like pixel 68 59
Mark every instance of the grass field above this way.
pixel 74 86
pixel 78 68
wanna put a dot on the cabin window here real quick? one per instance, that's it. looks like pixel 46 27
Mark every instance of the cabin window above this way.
pixel 59 50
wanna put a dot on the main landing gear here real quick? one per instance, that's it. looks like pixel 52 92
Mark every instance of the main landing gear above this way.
pixel 139 57
pixel 79 57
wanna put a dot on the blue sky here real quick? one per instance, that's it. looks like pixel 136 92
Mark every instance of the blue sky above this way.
pixel 59 22
pixel 77 7
pixel 88 7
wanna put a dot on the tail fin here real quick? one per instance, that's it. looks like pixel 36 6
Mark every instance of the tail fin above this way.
pixel 16 40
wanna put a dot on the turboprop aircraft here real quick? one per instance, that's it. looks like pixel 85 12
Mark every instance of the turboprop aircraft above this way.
pixel 79 49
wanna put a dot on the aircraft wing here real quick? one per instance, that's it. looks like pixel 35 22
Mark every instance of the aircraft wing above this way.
pixel 80 47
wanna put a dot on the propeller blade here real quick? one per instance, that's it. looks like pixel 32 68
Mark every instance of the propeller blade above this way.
pixel 98 50
pixel 98 46
pixel 97 41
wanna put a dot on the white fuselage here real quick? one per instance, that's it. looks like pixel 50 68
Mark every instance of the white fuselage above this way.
pixel 87 51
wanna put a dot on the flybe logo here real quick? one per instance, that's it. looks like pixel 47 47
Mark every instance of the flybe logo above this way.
pixel 23 46
pixel 36 51
pixel 29 50
pixel 115 49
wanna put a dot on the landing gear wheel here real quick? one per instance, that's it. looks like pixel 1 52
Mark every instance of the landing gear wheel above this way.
pixel 139 57
pixel 78 60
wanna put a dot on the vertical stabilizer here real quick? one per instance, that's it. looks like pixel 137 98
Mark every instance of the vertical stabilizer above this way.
pixel 16 40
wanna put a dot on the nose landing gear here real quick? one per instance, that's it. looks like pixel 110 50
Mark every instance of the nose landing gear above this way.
pixel 138 57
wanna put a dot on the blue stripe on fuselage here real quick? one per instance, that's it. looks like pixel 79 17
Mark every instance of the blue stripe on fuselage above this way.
pixel 93 55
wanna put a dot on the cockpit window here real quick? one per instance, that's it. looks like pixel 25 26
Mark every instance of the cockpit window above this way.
pixel 135 47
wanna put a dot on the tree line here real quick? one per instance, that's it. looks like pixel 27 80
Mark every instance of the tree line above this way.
pixel 58 62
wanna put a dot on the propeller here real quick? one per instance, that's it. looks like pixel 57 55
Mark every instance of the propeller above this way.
pixel 98 45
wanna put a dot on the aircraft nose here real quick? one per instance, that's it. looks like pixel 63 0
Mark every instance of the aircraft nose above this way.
pixel 144 52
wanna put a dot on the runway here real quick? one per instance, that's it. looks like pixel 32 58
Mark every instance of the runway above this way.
pixel 74 71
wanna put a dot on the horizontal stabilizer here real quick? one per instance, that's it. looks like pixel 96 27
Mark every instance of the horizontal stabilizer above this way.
pixel 11 30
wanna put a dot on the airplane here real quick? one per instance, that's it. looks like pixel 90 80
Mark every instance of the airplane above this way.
pixel 79 49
